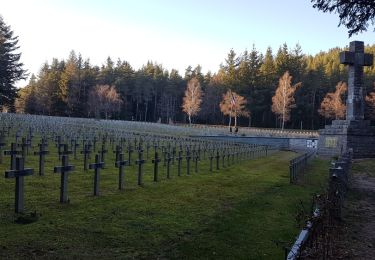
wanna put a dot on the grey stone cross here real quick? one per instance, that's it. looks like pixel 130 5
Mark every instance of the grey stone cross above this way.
pixel 169 159
pixel 140 163
pixel 99 164
pixel 13 154
pixel 120 164
pixel 188 158
pixel 156 161
pixel 2 143
pixel 356 59
pixel 179 159
pixel 64 170
pixel 42 153
pixel 19 173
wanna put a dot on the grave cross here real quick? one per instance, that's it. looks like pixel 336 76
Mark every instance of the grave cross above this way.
pixel 86 151
pixel 117 152
pixel 156 161
pixel 19 173
pixel 13 154
pixel 25 147
pixel 147 149
pixel 140 163
pixel 169 159
pixel 64 169
pixel 228 157
pixel 65 151
pixel 179 159
pixel 217 159
pixel 59 150
pixel 121 163
pixel 188 157
pixel 42 153
pixel 196 159
pixel 103 151
pixel 211 157
pixel 94 142
pixel 74 145
pixel 130 150
pixel 96 166
pixel 173 154
pixel 2 143
pixel 223 159
pixel 356 59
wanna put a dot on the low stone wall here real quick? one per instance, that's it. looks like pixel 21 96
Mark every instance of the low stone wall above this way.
pixel 299 144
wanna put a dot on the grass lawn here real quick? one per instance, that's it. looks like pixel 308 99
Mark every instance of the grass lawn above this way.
pixel 238 212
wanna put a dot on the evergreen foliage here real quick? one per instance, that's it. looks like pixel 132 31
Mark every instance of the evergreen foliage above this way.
pixel 152 93
pixel 10 66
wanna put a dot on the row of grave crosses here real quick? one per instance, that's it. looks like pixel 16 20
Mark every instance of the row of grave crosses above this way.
pixel 18 171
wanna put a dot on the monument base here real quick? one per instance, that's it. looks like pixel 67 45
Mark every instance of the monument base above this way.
pixel 337 138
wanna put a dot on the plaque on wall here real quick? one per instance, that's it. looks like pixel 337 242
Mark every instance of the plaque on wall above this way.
pixel 331 142
pixel 312 144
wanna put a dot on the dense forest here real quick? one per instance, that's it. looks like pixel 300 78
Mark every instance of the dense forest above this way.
pixel 152 93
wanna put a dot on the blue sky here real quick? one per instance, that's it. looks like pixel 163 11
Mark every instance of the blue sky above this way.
pixel 173 33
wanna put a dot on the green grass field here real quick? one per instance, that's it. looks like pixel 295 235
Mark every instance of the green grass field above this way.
pixel 235 213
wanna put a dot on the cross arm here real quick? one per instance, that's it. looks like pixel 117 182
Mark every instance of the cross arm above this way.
pixel 96 165
pixel 347 57
pixel 121 163
pixel 60 169
pixel 156 160
pixel 368 59
pixel 18 173
pixel 41 153
pixel 11 152
pixel 140 161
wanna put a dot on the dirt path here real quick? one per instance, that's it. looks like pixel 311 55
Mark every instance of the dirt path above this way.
pixel 356 238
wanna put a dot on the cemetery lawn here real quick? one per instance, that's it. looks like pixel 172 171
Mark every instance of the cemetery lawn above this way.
pixel 247 211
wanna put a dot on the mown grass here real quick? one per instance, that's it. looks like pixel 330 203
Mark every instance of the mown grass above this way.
pixel 239 212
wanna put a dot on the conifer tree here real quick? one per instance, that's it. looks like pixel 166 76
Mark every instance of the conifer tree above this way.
pixel 11 69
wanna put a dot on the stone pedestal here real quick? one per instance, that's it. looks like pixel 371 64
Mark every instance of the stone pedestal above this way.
pixel 337 138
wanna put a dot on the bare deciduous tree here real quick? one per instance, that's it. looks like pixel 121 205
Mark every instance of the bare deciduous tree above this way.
pixel 233 105
pixel 192 99
pixel 104 99
pixel 283 100
pixel 332 105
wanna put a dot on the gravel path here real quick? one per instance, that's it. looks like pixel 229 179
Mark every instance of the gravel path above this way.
pixel 356 238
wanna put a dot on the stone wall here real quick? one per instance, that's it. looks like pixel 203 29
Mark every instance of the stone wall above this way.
pixel 299 144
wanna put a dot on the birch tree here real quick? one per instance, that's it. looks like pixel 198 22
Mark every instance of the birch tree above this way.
pixel 233 105
pixel 332 106
pixel 104 99
pixel 192 99
pixel 283 100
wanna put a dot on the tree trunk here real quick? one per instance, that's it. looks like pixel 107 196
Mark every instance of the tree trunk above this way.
pixel 146 108
pixel 230 119
pixel 136 111
pixel 155 105
pixel 312 110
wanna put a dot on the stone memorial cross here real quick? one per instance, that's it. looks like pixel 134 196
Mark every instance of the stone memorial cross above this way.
pixel 356 59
